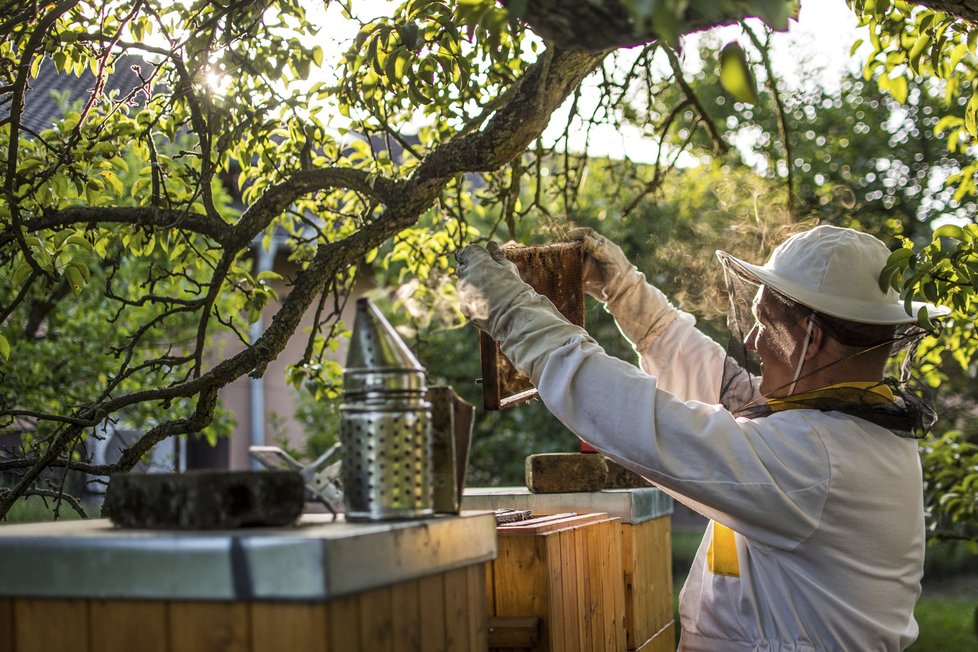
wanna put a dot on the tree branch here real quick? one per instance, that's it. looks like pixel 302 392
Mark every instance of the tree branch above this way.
pixel 720 146
pixel 772 84
pixel 515 125
pixel 59 496
pixel 16 108
pixel 145 216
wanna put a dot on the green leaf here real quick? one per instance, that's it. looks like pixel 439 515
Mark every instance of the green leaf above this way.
pixel 4 348
pixel 20 274
pixel 395 64
pixel 947 122
pixel 926 20
pixel 969 114
pixel 71 120
pixel 898 89
pixel 114 182
pixel 956 55
pixel 735 75
pixel 410 35
pixel 667 23
pixel 80 241
pixel 949 231
pixel 923 319
pixel 776 12
pixel 918 49
pixel 75 278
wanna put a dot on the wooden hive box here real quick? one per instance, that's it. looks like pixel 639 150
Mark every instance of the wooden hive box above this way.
pixel 556 272
pixel 565 570
pixel 646 550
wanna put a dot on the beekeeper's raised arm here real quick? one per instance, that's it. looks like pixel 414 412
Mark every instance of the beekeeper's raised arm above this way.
pixel 687 363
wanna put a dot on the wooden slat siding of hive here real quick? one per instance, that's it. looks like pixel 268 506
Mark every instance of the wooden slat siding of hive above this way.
pixel 554 624
pixel 406 616
pixel 663 641
pixel 522 583
pixel 490 571
pixel 343 624
pixel 431 592
pixel 51 626
pixel 6 625
pixel 614 553
pixel 574 616
pixel 637 617
pixel 647 562
pixel 660 571
pixel 456 618
pixel 600 588
pixel 209 627
pixel 376 621
pixel 476 608
pixel 300 626
pixel 118 625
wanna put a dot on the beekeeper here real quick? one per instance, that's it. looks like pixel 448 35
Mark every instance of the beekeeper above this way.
pixel 808 469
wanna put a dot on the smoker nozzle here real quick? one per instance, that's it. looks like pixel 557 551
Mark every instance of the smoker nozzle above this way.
pixel 375 344
pixel 379 365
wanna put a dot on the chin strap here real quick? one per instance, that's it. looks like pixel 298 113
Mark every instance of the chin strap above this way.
pixel 801 360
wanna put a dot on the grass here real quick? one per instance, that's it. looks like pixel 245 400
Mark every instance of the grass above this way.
pixel 946 625
pixel 35 509
pixel 946 612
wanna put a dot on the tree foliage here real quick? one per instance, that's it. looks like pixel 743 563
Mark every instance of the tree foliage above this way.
pixel 118 204
pixel 128 228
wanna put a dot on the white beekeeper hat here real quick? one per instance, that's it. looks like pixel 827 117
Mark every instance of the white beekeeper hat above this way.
pixel 834 271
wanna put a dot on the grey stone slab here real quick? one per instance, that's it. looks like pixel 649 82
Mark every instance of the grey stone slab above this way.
pixel 204 500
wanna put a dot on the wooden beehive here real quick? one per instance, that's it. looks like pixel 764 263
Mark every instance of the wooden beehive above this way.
pixel 555 271
pixel 443 612
pixel 565 570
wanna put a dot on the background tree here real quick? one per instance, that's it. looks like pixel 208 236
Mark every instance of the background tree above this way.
pixel 224 91
pixel 421 136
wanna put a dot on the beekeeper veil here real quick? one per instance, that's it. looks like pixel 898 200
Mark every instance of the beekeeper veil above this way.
pixel 827 276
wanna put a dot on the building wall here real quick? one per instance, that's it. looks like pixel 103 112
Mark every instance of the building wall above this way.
pixel 279 397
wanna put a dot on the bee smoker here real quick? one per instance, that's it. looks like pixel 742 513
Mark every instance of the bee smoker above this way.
pixel 385 424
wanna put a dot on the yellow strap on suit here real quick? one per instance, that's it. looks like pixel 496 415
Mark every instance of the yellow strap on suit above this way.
pixel 722 555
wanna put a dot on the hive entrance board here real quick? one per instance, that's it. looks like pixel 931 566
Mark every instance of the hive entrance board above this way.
pixel 555 271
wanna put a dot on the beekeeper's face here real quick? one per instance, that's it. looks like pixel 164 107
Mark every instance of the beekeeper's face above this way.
pixel 777 338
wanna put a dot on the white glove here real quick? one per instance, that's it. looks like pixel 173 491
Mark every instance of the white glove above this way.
pixel 494 297
pixel 605 264
pixel 640 309
pixel 488 284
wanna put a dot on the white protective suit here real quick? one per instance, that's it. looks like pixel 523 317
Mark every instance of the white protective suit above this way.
pixel 817 533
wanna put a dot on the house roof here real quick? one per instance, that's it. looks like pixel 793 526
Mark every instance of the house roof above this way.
pixel 51 94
